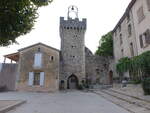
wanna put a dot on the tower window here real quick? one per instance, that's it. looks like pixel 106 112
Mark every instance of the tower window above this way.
pixel 73 46
pixel 67 27
pixel 51 58
pixel 75 36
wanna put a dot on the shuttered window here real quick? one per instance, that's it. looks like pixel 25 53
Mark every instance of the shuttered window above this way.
pixel 42 79
pixel 140 14
pixel 132 49
pixel 141 41
pixel 147 36
pixel 121 41
pixel 31 78
pixel 148 4
pixel 38 60
pixel 129 30
pixel 1 65
pixel 122 53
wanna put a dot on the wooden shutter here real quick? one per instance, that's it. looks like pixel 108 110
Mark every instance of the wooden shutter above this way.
pixel 42 79
pixel 1 65
pixel 31 78
pixel 140 14
pixel 147 36
pixel 148 4
pixel 38 60
pixel 141 41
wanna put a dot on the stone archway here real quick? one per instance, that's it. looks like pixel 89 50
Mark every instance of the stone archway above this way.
pixel 72 82
pixel 111 77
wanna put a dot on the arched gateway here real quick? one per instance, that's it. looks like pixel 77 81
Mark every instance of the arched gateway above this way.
pixel 72 82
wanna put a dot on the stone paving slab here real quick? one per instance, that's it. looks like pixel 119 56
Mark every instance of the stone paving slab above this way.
pixel 6 105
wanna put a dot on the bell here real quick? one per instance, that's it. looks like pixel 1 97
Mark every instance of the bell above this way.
pixel 72 8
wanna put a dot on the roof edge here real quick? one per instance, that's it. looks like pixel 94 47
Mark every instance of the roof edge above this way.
pixel 38 44
pixel 124 15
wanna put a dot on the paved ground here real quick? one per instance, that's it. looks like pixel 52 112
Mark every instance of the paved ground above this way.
pixel 62 102
pixel 7 105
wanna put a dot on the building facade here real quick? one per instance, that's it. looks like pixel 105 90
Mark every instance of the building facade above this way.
pixel 141 17
pixel 131 35
pixel 38 68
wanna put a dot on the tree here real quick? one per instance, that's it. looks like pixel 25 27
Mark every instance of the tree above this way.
pixel 139 65
pixel 17 17
pixel 106 45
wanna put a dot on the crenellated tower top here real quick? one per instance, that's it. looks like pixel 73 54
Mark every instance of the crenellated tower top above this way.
pixel 72 23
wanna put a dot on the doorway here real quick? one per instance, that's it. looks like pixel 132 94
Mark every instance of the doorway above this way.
pixel 111 77
pixel 72 82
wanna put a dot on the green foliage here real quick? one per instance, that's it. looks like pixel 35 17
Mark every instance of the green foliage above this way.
pixel 106 46
pixel 136 64
pixel 17 17
pixel 123 65
pixel 146 86
pixel 135 82
pixel 40 3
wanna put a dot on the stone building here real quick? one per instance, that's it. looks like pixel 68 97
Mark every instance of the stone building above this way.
pixel 43 68
pixel 131 35
pixel 38 68
pixel 72 50
pixel 141 17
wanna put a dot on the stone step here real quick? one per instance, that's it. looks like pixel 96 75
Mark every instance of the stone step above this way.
pixel 123 93
pixel 129 99
pixel 129 106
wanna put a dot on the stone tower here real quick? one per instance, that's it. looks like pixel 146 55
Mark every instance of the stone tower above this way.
pixel 72 56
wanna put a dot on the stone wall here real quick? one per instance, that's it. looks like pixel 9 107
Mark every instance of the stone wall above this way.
pixel 97 68
pixel 8 76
